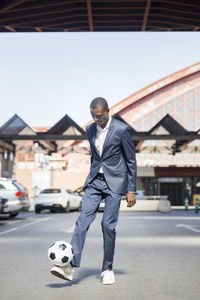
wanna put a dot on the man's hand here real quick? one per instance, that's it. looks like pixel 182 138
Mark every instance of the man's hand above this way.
pixel 131 199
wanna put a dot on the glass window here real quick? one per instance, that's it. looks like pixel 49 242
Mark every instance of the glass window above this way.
pixel 148 122
pixel 181 111
pixel 158 114
pixel 137 125
pixel 198 100
pixel 8 186
pixel 198 123
pixel 179 101
pixel 69 191
pixel 189 110
pixel 169 107
pixel 197 185
pixel 51 191
pixel 187 187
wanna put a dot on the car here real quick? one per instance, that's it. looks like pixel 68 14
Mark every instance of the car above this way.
pixel 139 196
pixel 101 205
pixel 11 192
pixel 3 206
pixel 23 195
pixel 57 199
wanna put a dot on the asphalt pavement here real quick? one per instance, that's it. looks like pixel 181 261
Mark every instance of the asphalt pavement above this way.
pixel 157 257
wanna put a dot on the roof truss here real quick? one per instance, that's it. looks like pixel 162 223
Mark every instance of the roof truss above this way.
pixel 176 137
pixel 99 15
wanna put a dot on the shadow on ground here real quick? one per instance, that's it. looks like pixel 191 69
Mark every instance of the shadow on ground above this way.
pixel 82 275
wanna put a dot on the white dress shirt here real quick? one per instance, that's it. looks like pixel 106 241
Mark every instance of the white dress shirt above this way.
pixel 100 138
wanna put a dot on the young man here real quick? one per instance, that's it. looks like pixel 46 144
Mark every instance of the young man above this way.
pixel 112 175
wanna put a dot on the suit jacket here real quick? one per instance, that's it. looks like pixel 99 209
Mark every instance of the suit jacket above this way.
pixel 117 160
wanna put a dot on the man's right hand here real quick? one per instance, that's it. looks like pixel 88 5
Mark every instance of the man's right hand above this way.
pixel 131 199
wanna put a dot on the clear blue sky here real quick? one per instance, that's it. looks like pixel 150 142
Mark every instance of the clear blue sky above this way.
pixel 44 76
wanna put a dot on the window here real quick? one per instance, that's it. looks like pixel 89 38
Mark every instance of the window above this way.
pixel 51 191
pixel 8 186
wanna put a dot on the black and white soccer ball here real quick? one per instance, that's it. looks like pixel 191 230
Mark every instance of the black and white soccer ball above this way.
pixel 60 253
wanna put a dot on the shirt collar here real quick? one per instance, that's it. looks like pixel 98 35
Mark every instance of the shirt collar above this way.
pixel 107 125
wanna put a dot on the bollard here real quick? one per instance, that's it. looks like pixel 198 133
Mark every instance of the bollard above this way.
pixel 186 203
pixel 196 205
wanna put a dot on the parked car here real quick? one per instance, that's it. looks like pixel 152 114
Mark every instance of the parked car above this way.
pixel 101 205
pixel 57 199
pixel 11 192
pixel 139 196
pixel 23 195
pixel 3 206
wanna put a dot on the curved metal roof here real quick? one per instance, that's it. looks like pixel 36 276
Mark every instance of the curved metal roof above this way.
pixel 155 87
pixel 99 15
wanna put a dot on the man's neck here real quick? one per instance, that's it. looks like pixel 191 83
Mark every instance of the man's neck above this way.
pixel 104 125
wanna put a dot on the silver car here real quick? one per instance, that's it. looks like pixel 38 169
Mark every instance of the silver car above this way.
pixel 58 199
pixel 10 192
pixel 23 195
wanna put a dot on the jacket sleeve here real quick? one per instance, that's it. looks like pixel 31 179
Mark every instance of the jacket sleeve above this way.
pixel 129 156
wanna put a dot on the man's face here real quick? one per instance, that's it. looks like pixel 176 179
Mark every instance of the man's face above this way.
pixel 100 116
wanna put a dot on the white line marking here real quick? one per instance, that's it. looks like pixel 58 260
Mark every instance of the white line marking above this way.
pixel 160 217
pixel 190 227
pixel 25 225
pixel 160 241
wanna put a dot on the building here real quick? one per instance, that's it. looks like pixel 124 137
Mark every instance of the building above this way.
pixel 170 106
pixel 165 122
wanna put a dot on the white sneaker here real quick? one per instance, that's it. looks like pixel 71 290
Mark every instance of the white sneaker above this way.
pixel 65 273
pixel 108 277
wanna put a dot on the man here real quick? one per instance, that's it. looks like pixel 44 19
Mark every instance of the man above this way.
pixel 112 175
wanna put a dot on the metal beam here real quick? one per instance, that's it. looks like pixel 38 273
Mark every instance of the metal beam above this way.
pixel 38 29
pixel 11 4
pixel 10 28
pixel 139 136
pixel 7 146
pixel 146 15
pixel 42 136
pixel 90 18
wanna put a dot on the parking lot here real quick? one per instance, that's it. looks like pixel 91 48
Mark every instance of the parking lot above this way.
pixel 157 257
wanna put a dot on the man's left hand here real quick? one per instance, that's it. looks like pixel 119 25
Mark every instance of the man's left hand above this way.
pixel 131 199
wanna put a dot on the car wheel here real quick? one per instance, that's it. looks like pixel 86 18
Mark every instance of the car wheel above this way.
pixel 37 210
pixel 67 208
pixel 13 215
pixel 52 210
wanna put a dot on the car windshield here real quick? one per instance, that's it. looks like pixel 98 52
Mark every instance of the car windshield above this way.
pixel 7 185
pixel 51 191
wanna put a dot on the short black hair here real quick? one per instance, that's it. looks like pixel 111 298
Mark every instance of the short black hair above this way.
pixel 99 101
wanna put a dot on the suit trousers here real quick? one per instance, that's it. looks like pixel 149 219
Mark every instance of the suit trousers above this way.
pixel 94 193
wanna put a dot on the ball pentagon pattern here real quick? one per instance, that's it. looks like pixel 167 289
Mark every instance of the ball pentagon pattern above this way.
pixel 60 253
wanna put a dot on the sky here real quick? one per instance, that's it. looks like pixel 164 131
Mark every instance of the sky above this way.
pixel 44 76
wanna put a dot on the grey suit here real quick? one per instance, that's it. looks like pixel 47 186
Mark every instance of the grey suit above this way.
pixel 117 160
pixel 119 166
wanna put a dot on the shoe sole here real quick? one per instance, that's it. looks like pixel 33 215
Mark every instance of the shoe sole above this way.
pixel 57 274
pixel 109 283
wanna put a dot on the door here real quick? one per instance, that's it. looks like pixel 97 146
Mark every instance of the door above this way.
pixel 174 190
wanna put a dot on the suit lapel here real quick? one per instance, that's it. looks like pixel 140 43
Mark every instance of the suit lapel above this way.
pixel 110 130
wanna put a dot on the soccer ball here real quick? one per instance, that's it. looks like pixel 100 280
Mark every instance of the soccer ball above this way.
pixel 60 253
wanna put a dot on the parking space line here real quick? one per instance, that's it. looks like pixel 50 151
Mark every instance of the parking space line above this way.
pixel 189 227
pixel 25 225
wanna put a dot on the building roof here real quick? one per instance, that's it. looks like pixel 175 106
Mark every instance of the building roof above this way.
pixel 99 15
pixel 154 87
pixel 16 135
